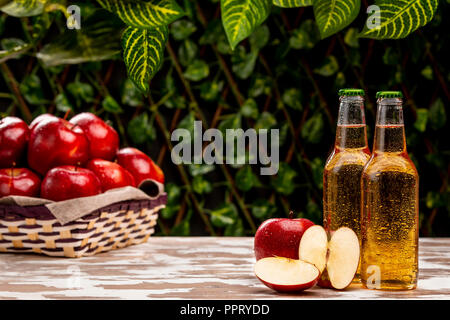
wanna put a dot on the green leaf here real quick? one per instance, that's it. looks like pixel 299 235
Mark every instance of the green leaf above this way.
pixel 284 181
pixel 250 109
pixel 109 104
pixel 312 131
pixel 306 36
pixel 226 214
pixel 187 52
pixel 130 94
pixel 141 130
pixel 62 102
pixel 329 67
pixel 145 15
pixel 209 91
pixel 422 118
pixel 263 209
pixel 259 38
pixel 243 62
pixel 13 49
pixel 24 8
pixel 201 186
pixel 143 52
pixel 197 70
pixel 182 29
pixel 351 38
pixel 261 85
pixel 293 3
pixel 333 16
pixel 399 18
pixel 437 115
pixel 427 73
pixel 82 92
pixel 317 172
pixel 293 98
pixel 235 230
pixel 183 228
pixel 241 17
pixel 265 121
pixel 32 90
pixel 200 169
pixel 173 200
pixel 97 40
pixel 246 179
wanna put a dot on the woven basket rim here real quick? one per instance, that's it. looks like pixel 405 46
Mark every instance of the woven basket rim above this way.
pixel 14 212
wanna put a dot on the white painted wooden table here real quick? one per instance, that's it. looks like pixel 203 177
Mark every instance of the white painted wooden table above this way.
pixel 189 268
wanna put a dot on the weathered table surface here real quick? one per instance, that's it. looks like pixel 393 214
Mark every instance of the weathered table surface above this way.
pixel 191 268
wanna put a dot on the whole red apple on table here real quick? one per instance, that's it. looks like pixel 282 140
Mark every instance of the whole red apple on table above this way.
pixel 56 142
pixel 103 139
pixel 139 165
pixel 69 182
pixel 280 237
pixel 19 182
pixel 110 174
pixel 14 136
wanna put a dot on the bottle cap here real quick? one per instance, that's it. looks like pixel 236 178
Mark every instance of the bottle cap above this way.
pixel 389 94
pixel 351 92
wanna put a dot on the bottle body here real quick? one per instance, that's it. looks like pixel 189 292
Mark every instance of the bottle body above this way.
pixel 389 221
pixel 343 170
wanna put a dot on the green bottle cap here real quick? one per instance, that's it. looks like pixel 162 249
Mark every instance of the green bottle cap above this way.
pixel 351 92
pixel 389 94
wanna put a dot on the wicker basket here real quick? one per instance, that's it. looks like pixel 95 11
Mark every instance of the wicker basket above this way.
pixel 34 228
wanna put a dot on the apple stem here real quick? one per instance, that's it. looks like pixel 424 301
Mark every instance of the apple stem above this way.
pixel 66 115
pixel 291 214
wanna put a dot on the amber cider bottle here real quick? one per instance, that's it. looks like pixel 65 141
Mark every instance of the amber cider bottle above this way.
pixel 390 208
pixel 344 166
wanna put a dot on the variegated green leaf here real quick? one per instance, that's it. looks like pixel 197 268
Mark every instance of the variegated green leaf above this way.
pixel 147 15
pixel 97 40
pixel 293 3
pixel 241 17
pixel 143 51
pixel 24 8
pixel 334 15
pixel 14 52
pixel 397 19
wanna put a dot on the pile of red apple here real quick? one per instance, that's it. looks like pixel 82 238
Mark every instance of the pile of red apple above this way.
pixel 56 159
pixel 294 255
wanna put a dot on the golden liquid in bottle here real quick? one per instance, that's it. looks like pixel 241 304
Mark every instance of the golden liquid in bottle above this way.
pixel 342 181
pixel 389 252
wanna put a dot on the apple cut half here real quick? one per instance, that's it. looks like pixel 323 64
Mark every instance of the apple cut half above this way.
pixel 286 275
pixel 337 258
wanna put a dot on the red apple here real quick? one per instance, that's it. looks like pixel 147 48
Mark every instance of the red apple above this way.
pixel 69 182
pixel 103 139
pixel 139 165
pixel 280 237
pixel 14 136
pixel 286 275
pixel 56 142
pixel 40 118
pixel 110 174
pixel 19 182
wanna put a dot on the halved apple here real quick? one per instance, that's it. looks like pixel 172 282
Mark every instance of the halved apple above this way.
pixel 337 259
pixel 286 275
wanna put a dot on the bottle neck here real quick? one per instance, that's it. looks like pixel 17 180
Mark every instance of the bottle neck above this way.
pixel 351 125
pixel 390 129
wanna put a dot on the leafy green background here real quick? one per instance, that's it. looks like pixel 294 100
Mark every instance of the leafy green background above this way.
pixel 283 76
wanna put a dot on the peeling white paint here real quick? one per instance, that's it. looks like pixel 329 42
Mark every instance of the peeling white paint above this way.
pixel 192 268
